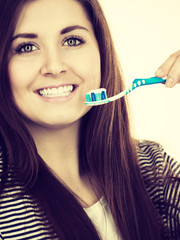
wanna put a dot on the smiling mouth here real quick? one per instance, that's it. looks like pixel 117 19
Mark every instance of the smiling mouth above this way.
pixel 61 91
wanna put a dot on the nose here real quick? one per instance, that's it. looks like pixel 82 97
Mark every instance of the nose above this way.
pixel 52 64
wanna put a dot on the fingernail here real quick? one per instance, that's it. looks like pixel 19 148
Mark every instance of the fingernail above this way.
pixel 159 72
pixel 169 82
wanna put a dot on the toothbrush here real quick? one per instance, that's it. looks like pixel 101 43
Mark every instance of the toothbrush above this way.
pixel 98 96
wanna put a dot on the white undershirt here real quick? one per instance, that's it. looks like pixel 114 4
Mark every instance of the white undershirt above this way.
pixel 101 217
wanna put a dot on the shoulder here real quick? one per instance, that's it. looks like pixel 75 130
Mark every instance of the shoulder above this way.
pixel 147 148
pixel 161 175
pixel 151 162
pixel 153 155
pixel 1 162
pixel 3 156
pixel 160 172
pixel 4 174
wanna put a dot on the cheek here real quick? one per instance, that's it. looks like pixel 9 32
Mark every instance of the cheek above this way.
pixel 88 67
pixel 21 74
pixel 94 68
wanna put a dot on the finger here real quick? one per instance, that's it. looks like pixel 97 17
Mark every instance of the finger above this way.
pixel 165 68
pixel 173 76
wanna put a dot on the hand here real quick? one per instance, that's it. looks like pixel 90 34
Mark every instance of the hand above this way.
pixel 171 69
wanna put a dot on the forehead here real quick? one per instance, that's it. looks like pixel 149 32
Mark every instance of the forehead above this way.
pixel 45 14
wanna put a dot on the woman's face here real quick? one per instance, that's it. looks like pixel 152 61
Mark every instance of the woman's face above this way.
pixel 54 61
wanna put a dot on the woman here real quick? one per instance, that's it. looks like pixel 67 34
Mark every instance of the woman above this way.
pixel 62 160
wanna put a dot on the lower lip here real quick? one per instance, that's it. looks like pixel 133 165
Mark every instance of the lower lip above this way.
pixel 59 99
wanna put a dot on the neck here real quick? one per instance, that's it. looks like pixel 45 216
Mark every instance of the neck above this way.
pixel 57 146
pixel 59 149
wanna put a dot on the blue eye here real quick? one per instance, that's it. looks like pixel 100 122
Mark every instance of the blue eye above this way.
pixel 73 41
pixel 25 48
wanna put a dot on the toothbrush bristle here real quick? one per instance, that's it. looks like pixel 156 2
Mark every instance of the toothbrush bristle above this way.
pixel 88 98
pixel 96 95
pixel 103 95
pixel 93 97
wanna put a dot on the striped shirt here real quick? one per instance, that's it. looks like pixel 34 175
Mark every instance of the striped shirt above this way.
pixel 20 219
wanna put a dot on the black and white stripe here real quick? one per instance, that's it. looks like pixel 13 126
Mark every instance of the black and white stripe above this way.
pixel 155 165
pixel 20 219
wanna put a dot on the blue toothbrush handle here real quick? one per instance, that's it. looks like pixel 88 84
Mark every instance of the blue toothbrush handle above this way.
pixel 146 81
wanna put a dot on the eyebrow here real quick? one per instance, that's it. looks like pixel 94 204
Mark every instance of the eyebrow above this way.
pixel 72 28
pixel 25 35
pixel 63 31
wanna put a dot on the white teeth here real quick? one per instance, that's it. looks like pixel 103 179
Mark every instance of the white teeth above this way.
pixel 56 92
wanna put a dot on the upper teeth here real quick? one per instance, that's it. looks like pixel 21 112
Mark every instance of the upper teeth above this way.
pixel 56 92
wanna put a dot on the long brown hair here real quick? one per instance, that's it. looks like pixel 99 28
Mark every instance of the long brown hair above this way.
pixel 106 148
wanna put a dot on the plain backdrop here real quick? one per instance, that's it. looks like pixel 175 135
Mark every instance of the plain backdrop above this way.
pixel 145 33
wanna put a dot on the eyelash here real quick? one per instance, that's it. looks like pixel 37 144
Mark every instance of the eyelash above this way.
pixel 75 38
pixel 20 49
